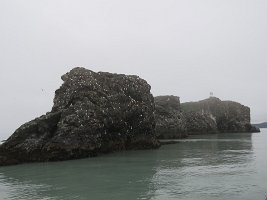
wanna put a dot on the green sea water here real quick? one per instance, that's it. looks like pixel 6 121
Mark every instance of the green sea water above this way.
pixel 211 167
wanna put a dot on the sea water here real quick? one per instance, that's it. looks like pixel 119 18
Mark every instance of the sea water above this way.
pixel 208 167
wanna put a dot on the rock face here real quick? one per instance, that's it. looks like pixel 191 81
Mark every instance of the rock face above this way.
pixel 173 123
pixel 93 113
pixel 200 123
pixel 230 116
pixel 170 122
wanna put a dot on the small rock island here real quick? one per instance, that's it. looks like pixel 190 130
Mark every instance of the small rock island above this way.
pixel 93 113
pixel 175 120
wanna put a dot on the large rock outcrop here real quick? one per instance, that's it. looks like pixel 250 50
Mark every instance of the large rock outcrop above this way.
pixel 93 113
pixel 230 116
pixel 170 122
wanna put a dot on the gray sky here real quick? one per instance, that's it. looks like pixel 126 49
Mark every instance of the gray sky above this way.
pixel 181 47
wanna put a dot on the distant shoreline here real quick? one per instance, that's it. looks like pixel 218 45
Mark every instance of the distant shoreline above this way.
pixel 261 125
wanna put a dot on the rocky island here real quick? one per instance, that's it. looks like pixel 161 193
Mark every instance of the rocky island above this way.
pixel 97 113
pixel 176 120
pixel 230 116
pixel 93 113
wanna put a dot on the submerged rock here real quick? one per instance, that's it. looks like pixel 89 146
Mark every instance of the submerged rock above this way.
pixel 93 113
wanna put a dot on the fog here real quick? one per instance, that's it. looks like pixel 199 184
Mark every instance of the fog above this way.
pixel 187 48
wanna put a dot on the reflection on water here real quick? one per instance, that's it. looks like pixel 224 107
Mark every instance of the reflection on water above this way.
pixel 215 167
